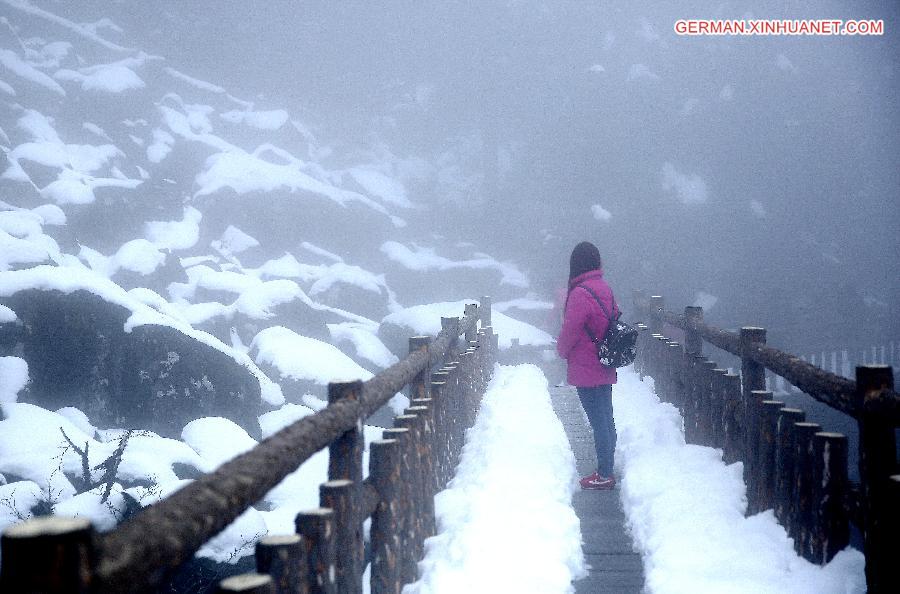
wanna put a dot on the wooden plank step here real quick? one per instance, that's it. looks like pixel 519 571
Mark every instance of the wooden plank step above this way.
pixel 613 565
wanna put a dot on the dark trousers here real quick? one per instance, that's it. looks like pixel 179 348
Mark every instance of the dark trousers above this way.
pixel 597 403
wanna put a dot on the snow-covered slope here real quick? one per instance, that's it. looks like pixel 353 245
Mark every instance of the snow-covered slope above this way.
pixel 210 253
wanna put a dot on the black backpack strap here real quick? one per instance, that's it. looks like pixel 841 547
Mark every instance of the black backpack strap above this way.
pixel 599 302
pixel 602 308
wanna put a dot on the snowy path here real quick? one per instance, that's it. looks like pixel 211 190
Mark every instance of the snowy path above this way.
pixel 613 564
pixel 506 523
pixel 685 510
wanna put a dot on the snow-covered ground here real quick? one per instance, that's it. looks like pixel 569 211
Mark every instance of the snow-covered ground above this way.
pixel 685 509
pixel 505 523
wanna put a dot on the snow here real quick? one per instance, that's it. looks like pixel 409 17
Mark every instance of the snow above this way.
pixel 314 249
pixel 76 162
pixel 22 240
pixel 274 421
pixel 423 259
pixel 23 69
pixel 103 515
pixel 149 455
pixel 364 341
pixel 347 274
pixel 261 120
pixel 175 235
pixel 194 82
pixel 109 78
pixel 505 522
pixel 79 419
pixel 234 241
pixel 245 172
pixel 16 501
pixel 50 214
pixel 302 358
pixel 425 320
pixel 161 146
pixel 216 440
pixel 381 186
pixel 33 447
pixel 600 213
pixel 13 371
pixel 524 303
pixel 685 510
pixel 689 188
pixel 86 32
pixel 7 315
pixel 137 255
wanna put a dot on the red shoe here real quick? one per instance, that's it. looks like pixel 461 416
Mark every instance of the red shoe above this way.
pixel 595 482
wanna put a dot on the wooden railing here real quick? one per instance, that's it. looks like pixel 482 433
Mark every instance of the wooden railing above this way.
pixel 415 460
pixel 790 465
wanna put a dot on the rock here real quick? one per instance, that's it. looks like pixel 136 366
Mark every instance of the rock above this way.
pixel 152 378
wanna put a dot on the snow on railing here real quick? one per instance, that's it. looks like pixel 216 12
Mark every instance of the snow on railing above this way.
pixel 416 459
pixel 790 465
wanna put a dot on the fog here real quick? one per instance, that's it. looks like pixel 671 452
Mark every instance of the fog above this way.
pixel 759 170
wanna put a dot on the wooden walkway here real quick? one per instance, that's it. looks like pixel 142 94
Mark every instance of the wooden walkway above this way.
pixel 613 564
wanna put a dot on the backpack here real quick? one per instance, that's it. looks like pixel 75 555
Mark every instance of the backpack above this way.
pixel 618 347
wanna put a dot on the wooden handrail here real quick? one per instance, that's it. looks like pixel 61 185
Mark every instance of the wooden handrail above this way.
pixel 140 553
pixel 828 388
pixel 790 465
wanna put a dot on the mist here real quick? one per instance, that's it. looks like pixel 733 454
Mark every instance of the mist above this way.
pixel 759 170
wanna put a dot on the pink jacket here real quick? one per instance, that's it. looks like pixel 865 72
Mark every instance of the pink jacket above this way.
pixel 574 345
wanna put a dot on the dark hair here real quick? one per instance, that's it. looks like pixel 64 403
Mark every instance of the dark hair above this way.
pixel 585 257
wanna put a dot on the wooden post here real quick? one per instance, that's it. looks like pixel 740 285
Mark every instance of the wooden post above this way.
pixel 753 377
pixel 640 361
pixel 247 583
pixel 716 408
pixel 802 507
pixel 784 463
pixel 752 447
pixel 704 403
pixel 338 495
pixel 418 387
pixel 457 431
pixel 831 523
pixel 406 504
pixel 345 453
pixel 877 463
pixel 653 359
pixel 440 395
pixel 451 325
pixel 768 424
pixel 657 307
pixel 471 309
pixel 733 419
pixel 48 554
pixel 484 311
pixel 673 350
pixel 664 380
pixel 693 342
pixel 414 480
pixel 316 526
pixel 283 558
pixel 384 470
pixel 424 425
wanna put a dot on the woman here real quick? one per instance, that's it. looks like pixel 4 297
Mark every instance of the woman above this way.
pixel 589 306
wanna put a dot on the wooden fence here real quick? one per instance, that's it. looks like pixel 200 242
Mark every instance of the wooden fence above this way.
pixel 790 466
pixel 446 377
